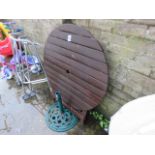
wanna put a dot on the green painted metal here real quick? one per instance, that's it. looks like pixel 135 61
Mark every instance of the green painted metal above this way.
pixel 59 100
pixel 58 117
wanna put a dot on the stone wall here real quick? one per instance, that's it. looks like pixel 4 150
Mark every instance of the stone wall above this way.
pixel 130 51
pixel 38 29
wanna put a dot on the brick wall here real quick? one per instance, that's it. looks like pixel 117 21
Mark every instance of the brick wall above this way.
pixel 130 51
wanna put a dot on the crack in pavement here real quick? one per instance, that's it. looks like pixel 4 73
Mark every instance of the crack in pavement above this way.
pixel 1 102
pixel 6 128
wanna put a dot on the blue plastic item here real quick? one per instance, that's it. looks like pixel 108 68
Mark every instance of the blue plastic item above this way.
pixel 31 60
pixel 58 117
pixel 6 73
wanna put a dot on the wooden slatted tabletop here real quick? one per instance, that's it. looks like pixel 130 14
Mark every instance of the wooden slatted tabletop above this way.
pixel 75 64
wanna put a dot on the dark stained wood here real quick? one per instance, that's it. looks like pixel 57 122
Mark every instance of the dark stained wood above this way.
pixel 77 68
pixel 79 58
pixel 76 86
pixel 73 29
pixel 96 91
pixel 83 41
pixel 94 54
pixel 81 75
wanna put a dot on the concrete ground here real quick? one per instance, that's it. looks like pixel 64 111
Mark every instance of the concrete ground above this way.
pixel 18 117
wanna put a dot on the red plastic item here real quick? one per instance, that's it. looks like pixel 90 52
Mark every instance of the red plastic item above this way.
pixel 6 47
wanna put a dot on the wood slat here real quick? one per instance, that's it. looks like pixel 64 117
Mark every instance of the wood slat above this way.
pixel 88 42
pixel 73 29
pixel 94 54
pixel 81 75
pixel 72 81
pixel 88 100
pixel 78 66
pixel 71 98
pixel 80 114
pixel 91 87
pixel 77 57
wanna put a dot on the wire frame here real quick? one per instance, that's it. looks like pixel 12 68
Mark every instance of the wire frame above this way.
pixel 23 49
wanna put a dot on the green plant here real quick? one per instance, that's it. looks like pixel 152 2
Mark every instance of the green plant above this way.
pixel 103 122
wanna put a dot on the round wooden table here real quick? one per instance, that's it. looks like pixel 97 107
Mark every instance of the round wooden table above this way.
pixel 76 66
